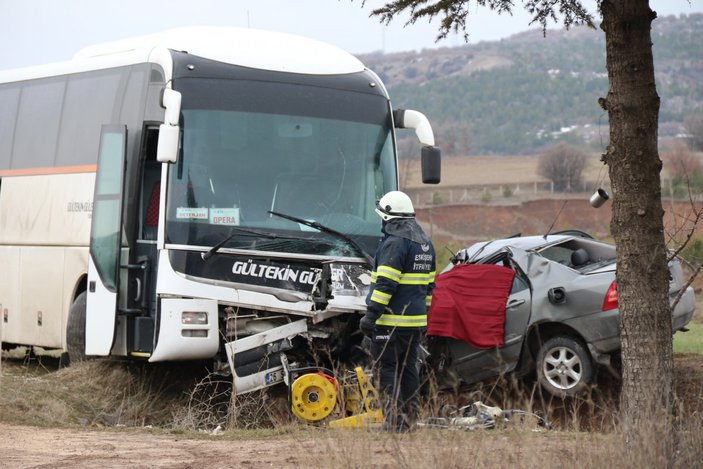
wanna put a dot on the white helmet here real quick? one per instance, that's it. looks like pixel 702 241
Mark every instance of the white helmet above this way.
pixel 395 204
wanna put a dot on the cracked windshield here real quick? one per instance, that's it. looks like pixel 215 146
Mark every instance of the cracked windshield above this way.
pixel 317 163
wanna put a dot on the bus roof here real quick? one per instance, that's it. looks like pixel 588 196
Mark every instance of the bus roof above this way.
pixel 246 47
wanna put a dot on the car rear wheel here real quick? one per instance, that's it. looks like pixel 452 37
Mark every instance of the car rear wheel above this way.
pixel 564 366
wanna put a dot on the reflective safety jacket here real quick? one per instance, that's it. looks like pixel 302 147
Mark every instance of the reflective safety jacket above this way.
pixel 402 278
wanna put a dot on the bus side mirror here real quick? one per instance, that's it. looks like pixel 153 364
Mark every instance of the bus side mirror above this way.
pixel 431 158
pixel 167 148
pixel 171 101
pixel 169 132
pixel 431 165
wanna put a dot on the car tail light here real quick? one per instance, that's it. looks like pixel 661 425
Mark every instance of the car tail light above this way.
pixel 611 298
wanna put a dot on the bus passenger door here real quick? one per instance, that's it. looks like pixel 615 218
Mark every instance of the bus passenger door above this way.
pixel 106 241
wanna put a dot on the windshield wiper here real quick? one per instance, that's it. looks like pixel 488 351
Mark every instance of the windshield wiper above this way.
pixel 325 229
pixel 234 231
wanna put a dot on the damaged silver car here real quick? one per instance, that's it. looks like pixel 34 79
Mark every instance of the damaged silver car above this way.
pixel 537 303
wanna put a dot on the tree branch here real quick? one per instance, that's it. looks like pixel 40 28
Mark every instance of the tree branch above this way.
pixel 453 13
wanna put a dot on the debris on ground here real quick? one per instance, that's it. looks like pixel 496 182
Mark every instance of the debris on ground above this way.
pixel 478 416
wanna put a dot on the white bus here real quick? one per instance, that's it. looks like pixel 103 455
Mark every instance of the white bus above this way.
pixel 201 194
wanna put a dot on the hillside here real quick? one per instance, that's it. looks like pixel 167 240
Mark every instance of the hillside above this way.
pixel 515 95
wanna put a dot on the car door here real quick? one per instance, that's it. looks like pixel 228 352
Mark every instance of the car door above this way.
pixel 472 364
pixel 517 315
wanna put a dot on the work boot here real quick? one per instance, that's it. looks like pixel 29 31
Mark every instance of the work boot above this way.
pixel 397 425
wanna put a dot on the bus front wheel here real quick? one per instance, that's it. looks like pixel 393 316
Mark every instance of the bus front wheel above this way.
pixel 75 329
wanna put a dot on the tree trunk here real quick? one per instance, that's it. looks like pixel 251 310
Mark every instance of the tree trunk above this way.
pixel 637 224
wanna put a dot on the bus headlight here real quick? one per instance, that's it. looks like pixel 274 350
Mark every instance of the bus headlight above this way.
pixel 194 317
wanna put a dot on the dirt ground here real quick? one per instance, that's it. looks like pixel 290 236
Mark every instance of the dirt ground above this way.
pixel 25 447
pixel 478 222
pixel 29 447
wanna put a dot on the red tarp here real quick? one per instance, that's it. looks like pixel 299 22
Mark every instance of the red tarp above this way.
pixel 468 304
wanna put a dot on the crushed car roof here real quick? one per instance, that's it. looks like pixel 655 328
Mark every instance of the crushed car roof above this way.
pixel 522 242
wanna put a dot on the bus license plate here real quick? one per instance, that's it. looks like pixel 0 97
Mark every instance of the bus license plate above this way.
pixel 274 377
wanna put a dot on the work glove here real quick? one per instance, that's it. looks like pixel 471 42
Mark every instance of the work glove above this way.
pixel 368 323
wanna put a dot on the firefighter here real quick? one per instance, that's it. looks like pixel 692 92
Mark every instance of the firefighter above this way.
pixel 396 318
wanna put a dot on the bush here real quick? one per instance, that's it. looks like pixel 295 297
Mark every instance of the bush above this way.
pixel 684 168
pixel 694 128
pixel 693 252
pixel 563 164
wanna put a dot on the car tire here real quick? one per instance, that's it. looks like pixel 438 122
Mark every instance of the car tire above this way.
pixel 564 367
pixel 75 329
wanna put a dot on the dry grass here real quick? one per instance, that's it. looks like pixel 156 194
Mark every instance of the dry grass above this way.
pixel 584 432
pixel 506 448
pixel 36 392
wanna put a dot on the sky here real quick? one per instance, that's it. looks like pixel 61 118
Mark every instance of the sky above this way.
pixel 34 32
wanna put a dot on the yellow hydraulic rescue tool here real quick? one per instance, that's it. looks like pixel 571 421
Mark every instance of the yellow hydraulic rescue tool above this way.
pixel 314 396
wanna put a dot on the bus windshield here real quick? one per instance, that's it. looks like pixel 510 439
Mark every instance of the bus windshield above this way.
pixel 250 147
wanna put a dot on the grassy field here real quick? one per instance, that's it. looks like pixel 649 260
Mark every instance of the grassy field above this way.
pixel 460 171
pixel 479 170
pixel 691 341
